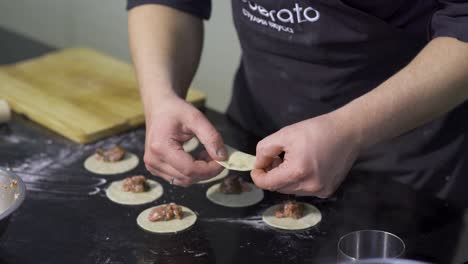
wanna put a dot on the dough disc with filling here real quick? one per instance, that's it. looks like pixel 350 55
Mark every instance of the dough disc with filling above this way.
pixel 171 226
pixel 128 163
pixel 191 144
pixel 220 176
pixel 312 216
pixel 115 193
pixel 243 199
pixel 238 160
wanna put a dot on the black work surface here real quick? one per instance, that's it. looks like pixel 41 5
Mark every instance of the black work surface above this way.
pixel 66 217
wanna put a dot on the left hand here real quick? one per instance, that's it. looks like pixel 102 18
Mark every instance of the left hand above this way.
pixel 318 154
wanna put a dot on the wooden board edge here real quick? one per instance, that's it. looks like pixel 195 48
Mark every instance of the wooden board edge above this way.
pixel 91 138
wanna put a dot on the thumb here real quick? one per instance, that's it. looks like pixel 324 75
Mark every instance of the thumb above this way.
pixel 268 151
pixel 208 135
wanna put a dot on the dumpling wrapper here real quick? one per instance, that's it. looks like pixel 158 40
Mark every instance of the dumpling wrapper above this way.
pixel 191 144
pixel 223 174
pixel 244 199
pixel 238 160
pixel 115 193
pixel 128 163
pixel 312 217
pixel 171 226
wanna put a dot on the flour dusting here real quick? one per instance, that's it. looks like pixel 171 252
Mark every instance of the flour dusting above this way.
pixel 255 221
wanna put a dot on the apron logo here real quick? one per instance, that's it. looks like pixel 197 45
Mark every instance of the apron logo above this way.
pixel 296 15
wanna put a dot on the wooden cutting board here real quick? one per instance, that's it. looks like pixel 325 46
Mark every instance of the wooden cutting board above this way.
pixel 78 93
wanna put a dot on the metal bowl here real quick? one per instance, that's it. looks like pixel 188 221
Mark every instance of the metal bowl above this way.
pixel 12 194
pixel 384 261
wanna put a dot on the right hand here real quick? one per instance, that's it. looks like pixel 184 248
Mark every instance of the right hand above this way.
pixel 170 122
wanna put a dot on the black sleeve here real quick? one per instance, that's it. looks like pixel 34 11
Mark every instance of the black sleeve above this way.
pixel 451 20
pixel 199 8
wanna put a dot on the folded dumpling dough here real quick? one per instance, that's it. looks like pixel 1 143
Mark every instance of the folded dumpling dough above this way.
pixel 238 160
pixel 223 174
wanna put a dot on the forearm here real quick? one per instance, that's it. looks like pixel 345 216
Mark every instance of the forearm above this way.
pixel 165 45
pixel 435 82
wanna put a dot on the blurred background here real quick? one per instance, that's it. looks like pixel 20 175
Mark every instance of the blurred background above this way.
pixel 102 25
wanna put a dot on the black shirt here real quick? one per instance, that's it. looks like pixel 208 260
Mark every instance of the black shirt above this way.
pixel 304 58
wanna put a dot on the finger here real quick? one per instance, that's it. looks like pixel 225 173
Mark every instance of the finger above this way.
pixel 180 183
pixel 154 171
pixel 275 163
pixel 166 169
pixel 172 155
pixel 175 181
pixel 158 173
pixel 203 155
pixel 208 136
pixel 156 166
pixel 272 180
pixel 294 188
pixel 300 189
pixel 268 150
pixel 201 177
pixel 188 166
pixel 167 174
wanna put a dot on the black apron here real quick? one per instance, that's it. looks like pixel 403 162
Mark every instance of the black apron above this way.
pixel 301 59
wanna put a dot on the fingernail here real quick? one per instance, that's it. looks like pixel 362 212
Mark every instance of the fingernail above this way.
pixel 222 153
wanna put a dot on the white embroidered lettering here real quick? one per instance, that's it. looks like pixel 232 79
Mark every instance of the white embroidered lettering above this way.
pixel 298 10
pixel 314 18
pixel 272 15
pixel 288 19
pixel 297 14
pixel 253 6
pixel 263 11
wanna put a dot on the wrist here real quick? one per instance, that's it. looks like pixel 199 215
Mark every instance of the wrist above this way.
pixel 349 124
pixel 155 99
pixel 158 89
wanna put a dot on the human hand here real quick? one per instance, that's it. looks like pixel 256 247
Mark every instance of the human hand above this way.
pixel 318 154
pixel 170 122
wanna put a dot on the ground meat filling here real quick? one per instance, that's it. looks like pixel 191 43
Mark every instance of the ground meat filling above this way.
pixel 135 184
pixel 165 213
pixel 290 209
pixel 234 185
pixel 112 155
pixel 13 184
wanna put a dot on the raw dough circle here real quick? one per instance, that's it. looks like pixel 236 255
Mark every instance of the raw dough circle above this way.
pixel 128 163
pixel 235 200
pixel 191 144
pixel 312 216
pixel 115 193
pixel 220 176
pixel 171 226
pixel 238 160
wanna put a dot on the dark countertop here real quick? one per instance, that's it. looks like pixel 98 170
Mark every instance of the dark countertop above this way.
pixel 66 217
